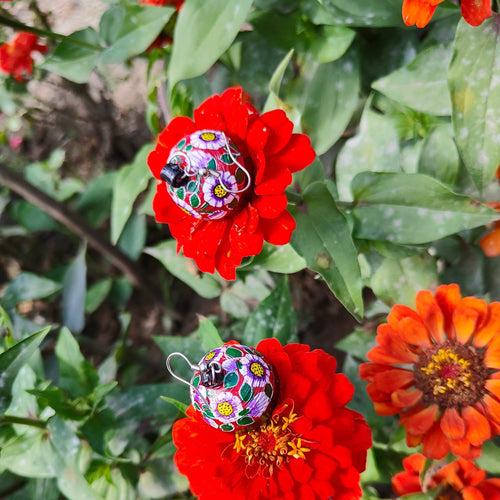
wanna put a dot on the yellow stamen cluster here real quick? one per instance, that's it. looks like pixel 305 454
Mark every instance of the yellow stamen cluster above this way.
pixel 271 444
pixel 219 191
pixel 449 371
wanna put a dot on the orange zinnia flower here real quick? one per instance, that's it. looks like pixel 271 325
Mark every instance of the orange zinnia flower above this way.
pixel 459 479
pixel 490 242
pixel 420 12
pixel 438 367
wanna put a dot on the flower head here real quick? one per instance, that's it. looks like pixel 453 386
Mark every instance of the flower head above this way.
pixel 460 479
pixel 270 151
pixel 420 12
pixel 438 367
pixel 163 3
pixel 16 56
pixel 311 446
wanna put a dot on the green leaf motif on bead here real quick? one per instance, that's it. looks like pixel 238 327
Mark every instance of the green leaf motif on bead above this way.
pixel 226 158
pixel 195 201
pixel 227 427
pixel 191 186
pixel 180 193
pixel 196 381
pixel 230 380
pixel 268 391
pixel 232 352
pixel 181 144
pixel 244 412
pixel 245 421
pixel 212 165
pixel 246 392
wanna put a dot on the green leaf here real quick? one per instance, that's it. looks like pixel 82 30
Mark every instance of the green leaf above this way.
pixel 475 94
pixel 273 100
pixel 397 281
pixel 330 98
pixel 73 294
pixel 331 43
pixel 76 374
pixel 489 458
pixel 204 285
pixel 368 13
pixel 439 157
pixel 31 217
pixel 72 61
pixel 357 343
pixel 210 338
pixel 422 84
pixel 323 238
pixel 28 286
pixel 142 402
pixel 133 237
pixel 204 31
pixel 274 317
pixel 131 181
pixel 96 294
pixel 58 400
pixel 412 208
pixel 182 407
pixel 14 358
pixel 23 404
pixel 375 148
pixel 281 259
pixel 131 29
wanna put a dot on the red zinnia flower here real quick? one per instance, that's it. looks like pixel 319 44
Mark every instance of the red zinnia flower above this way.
pixel 269 150
pixel 459 479
pixel 15 56
pixel 162 3
pixel 310 447
pixel 439 368
pixel 420 12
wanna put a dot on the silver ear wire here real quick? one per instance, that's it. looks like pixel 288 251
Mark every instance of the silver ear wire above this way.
pixel 171 371
pixel 231 155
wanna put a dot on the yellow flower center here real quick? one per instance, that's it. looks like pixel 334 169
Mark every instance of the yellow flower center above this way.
pixel 219 191
pixel 208 136
pixel 449 371
pixel 210 355
pixel 271 444
pixel 451 375
pixel 257 369
pixel 225 409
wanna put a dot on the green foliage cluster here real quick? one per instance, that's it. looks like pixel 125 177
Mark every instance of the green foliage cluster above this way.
pixel 406 128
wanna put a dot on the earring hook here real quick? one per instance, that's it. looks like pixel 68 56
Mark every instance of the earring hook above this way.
pixel 171 371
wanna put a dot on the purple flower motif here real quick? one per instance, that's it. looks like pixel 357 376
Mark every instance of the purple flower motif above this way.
pixel 258 405
pixel 208 139
pixel 255 370
pixel 217 190
pixel 225 406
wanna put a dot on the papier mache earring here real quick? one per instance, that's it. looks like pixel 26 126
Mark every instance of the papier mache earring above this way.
pixel 232 386
pixel 205 175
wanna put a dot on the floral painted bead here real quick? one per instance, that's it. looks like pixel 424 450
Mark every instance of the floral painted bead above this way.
pixel 233 388
pixel 206 175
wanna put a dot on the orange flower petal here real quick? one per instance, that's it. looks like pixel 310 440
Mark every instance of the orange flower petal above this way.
pixel 385 409
pixel 452 424
pixel 435 443
pixel 400 311
pixel 469 314
pixel 493 385
pixel 413 332
pixel 422 421
pixel 413 440
pixel 448 297
pixel 492 355
pixel 478 427
pixel 431 315
pixel 391 380
pixel 490 328
pixel 405 398
pixel 493 407
pixel 471 493
pixel 460 447
pixel 418 12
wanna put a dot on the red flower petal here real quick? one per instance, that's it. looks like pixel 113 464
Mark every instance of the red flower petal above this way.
pixel 476 11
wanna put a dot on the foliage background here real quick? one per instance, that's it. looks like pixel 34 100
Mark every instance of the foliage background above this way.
pixel 407 130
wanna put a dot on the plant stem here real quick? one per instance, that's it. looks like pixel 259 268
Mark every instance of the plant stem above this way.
pixel 79 226
pixel 19 26
pixel 41 16
pixel 32 422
